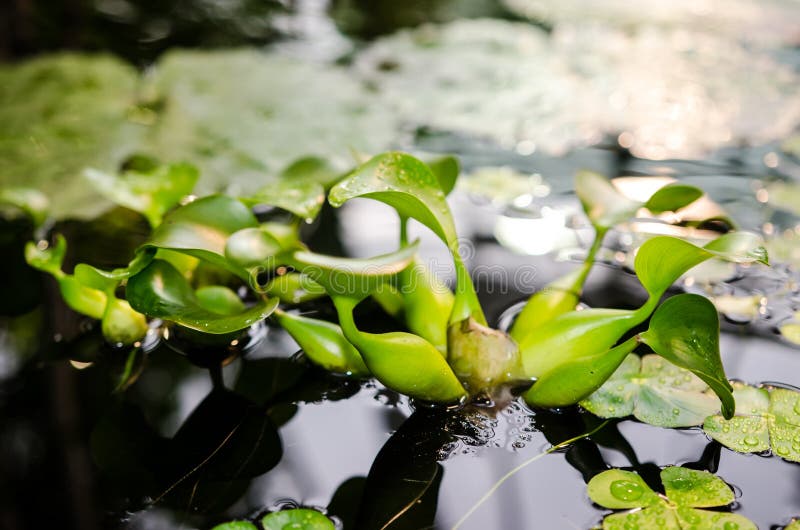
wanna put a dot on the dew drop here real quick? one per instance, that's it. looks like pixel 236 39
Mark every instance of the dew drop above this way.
pixel 625 490
pixel 675 412
pixel 750 440
pixel 730 525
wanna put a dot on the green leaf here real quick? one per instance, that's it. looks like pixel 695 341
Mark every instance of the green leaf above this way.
pixel 412 188
pixel 556 298
pixel 151 192
pixel 293 288
pixel 45 257
pixel 323 343
pixel 747 432
pixel 784 424
pixel 251 246
pixel 160 291
pixel 795 524
pixel 574 335
pixel 33 202
pixel 672 197
pixel 311 169
pixel 236 525
pixel 304 199
pixel 403 362
pixel 220 300
pixel 685 491
pixel 685 331
pixel 84 300
pixel 120 323
pixel 446 169
pixel 655 392
pixel 201 229
pixel 699 489
pixel 349 276
pixel 297 519
pixel 617 489
pixel 660 261
pixel 605 206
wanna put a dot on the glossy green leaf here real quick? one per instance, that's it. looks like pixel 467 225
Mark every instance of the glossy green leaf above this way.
pixel 33 202
pixel 655 392
pixel 160 291
pixel 84 300
pixel 104 280
pixel 304 199
pixel 152 192
pixel 556 298
pixel 324 343
pixel 412 188
pixel 672 197
pixel 747 431
pixel 201 229
pixel 403 362
pixel 311 169
pixel 220 300
pixel 484 358
pixel 784 424
pixel 686 490
pixel 349 276
pixel 577 376
pixel 685 331
pixel 446 169
pixel 601 201
pixel 297 519
pixel 660 261
pixel 574 335
pixel 251 246
pixel 236 525
pixel 618 490
pixel 293 288
pixel 121 324
pixel 426 304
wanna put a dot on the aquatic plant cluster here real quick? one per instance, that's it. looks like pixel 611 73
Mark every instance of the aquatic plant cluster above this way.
pixel 448 352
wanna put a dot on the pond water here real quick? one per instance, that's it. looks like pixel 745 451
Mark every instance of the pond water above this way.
pixel 177 451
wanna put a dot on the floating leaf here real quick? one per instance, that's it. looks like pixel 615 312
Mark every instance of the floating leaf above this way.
pixel 236 525
pixel 685 331
pixel 784 424
pixel 685 490
pixel 160 291
pixel 151 192
pixel 324 343
pixel 747 431
pixel 655 392
pixel 201 229
pixel 412 188
pixel 297 519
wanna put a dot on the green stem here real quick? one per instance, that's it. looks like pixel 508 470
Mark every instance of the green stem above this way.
pixel 466 302
pixel 588 262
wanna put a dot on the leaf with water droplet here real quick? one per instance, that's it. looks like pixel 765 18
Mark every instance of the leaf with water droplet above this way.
pixel 304 199
pixel 236 525
pixel 747 431
pixel 690 487
pixel 652 389
pixel 617 489
pixel 784 424
pixel 297 519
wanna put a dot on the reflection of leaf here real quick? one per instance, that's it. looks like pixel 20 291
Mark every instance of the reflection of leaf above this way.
pixel 655 392
pixel 686 490
pixel 160 291
pixel 297 519
pixel 765 420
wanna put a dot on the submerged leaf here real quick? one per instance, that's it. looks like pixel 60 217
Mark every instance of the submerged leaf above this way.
pixel 297 519
pixel 655 392
pixel 160 291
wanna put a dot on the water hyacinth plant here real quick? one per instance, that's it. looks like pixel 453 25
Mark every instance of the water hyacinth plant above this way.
pixel 211 268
